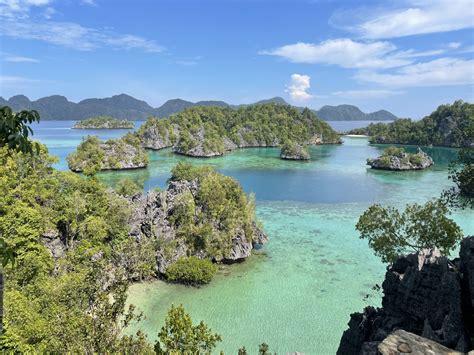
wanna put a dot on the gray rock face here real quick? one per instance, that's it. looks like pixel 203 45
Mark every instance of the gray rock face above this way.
pixel 402 342
pixel 152 219
pixel 298 152
pixel 424 294
pixel 401 162
pixel 152 138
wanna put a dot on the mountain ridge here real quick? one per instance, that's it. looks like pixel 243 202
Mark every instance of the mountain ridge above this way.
pixel 123 106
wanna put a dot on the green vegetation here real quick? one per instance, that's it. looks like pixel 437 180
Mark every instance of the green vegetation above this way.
pixel 93 155
pixel 461 172
pixel 392 234
pixel 213 130
pixel 191 271
pixel 127 187
pixel 220 210
pixel 450 125
pixel 293 150
pixel 180 336
pixel 99 122
pixel 66 291
pixel 15 129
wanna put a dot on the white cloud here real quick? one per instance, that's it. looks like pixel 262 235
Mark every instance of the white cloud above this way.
pixel 298 89
pixel 454 45
pixel 419 17
pixel 20 59
pixel 366 94
pixel 439 72
pixel 19 8
pixel 75 36
pixel 343 52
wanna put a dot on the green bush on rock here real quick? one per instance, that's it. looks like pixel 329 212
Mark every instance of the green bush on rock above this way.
pixel 191 271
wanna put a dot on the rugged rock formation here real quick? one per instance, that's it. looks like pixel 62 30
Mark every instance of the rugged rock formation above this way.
pixel 402 342
pixel 399 160
pixel 294 152
pixel 113 154
pixel 425 294
pixel 155 215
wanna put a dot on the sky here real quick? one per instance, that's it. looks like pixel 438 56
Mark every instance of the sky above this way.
pixel 405 56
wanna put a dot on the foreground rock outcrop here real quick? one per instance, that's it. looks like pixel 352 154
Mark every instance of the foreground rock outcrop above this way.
pixel 397 159
pixel 402 342
pixel 425 294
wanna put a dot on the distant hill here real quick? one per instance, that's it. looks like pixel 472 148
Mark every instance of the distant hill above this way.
pixel 352 113
pixel 124 106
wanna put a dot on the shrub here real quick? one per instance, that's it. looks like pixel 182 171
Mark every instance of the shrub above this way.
pixel 191 271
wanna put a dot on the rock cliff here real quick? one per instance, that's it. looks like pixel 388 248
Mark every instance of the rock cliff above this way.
pixel 159 215
pixel 425 294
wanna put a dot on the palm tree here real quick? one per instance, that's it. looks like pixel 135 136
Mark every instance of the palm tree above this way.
pixel 14 132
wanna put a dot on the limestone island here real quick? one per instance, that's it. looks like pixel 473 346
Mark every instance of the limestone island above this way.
pixel 114 154
pixel 397 159
pixel 293 151
pixel 211 131
pixel 203 217
pixel 103 122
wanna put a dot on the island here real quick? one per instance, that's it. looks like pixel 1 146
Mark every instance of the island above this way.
pixel 103 122
pixel 449 125
pixel 93 155
pixel 212 131
pixel 201 215
pixel 396 158
pixel 293 151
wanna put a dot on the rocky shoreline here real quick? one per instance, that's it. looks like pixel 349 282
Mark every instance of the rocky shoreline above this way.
pixel 294 152
pixel 425 294
pixel 397 159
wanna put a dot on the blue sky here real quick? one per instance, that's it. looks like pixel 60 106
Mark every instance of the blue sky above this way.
pixel 407 56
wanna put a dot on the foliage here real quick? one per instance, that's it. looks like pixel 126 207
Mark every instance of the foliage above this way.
pixel 450 125
pixel 127 187
pixel 461 172
pixel 263 349
pixel 209 220
pixel 15 129
pixel 290 148
pixel 93 155
pixel 180 336
pixel 73 301
pixel 191 271
pixel 104 122
pixel 259 125
pixel 391 233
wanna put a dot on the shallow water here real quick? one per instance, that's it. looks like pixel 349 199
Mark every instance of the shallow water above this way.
pixel 297 293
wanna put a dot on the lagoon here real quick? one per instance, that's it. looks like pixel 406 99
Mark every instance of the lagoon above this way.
pixel 297 293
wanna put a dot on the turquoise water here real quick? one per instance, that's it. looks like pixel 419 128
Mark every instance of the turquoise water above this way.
pixel 297 293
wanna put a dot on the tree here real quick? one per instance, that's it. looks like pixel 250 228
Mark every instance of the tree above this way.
pixel 391 233
pixel 15 129
pixel 263 349
pixel 461 172
pixel 14 132
pixel 180 336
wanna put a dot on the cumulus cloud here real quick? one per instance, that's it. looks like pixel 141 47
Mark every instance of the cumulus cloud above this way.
pixel 439 72
pixel 298 89
pixel 418 17
pixel 343 52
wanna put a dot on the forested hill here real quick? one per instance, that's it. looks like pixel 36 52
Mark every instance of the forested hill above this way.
pixel 124 106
